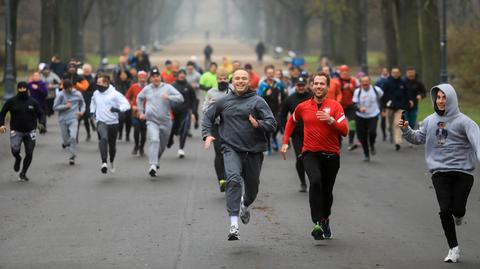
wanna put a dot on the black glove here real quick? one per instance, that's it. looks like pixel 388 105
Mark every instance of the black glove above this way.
pixel 115 110
pixel 41 128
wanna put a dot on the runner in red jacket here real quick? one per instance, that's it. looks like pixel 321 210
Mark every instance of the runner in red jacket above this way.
pixel 323 124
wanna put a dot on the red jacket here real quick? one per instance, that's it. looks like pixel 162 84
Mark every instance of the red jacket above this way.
pixel 131 96
pixel 318 135
pixel 347 87
pixel 168 78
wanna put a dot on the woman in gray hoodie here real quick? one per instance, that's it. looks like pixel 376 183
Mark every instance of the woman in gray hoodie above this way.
pixel 452 148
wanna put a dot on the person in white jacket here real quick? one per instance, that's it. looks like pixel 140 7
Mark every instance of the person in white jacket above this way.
pixel 106 103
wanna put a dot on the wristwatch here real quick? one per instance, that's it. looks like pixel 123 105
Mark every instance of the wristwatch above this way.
pixel 330 120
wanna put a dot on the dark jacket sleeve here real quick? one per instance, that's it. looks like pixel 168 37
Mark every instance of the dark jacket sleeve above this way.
pixel 284 112
pixel 266 121
pixel 209 118
pixel 40 113
pixel 3 113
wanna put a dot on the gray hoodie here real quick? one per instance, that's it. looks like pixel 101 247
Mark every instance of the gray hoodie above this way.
pixel 60 104
pixel 235 129
pixel 452 141
pixel 157 109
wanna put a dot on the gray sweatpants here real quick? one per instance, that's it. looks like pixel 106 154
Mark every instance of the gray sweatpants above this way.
pixel 69 130
pixel 158 138
pixel 241 168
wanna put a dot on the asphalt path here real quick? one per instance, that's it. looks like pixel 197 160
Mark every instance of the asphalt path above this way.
pixel 385 214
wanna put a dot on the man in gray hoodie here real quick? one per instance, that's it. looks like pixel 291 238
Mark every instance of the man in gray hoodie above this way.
pixel 154 104
pixel 452 149
pixel 70 106
pixel 245 121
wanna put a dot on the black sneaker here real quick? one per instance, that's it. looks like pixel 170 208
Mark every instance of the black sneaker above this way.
pixel 397 147
pixel 142 152
pixel 373 151
pixel 16 166
pixel 64 146
pixel 327 233
pixel 71 161
pixel 135 151
pixel 317 232
pixel 23 177
pixel 104 168
pixel 152 171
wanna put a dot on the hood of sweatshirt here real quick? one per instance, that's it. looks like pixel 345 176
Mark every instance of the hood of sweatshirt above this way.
pixel 451 106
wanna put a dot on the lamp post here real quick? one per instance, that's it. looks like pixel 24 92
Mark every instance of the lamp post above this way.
pixel 9 76
pixel 443 45
pixel 364 36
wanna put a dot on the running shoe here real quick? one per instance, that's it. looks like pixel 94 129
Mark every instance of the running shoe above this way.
pixel 233 234
pixel 223 185
pixel 397 147
pixel 352 147
pixel 16 166
pixel 458 221
pixel 317 232
pixel 142 152
pixel 373 151
pixel 181 153
pixel 366 159
pixel 104 168
pixel 327 233
pixel 453 255
pixel 153 170
pixel 112 167
pixel 244 213
pixel 22 177
pixel 71 161
pixel 135 150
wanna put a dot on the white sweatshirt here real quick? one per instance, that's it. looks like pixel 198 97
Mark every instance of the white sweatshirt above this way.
pixel 102 102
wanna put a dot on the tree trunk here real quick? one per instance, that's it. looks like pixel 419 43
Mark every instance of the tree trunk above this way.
pixel 301 37
pixel 408 34
pixel 76 30
pixel 430 39
pixel 46 30
pixel 326 42
pixel 64 38
pixel 390 33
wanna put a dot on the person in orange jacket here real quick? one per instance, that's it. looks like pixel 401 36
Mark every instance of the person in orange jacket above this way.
pixel 168 74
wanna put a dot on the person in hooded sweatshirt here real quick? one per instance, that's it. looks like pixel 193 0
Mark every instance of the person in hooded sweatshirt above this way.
pixel 182 112
pixel 105 106
pixel 24 114
pixel 211 97
pixel 245 120
pixel 452 150
pixel 70 106
pixel 154 104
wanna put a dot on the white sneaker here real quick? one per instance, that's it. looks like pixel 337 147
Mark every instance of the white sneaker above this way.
pixel 153 170
pixel 453 255
pixel 234 234
pixel 458 221
pixel 112 167
pixel 181 153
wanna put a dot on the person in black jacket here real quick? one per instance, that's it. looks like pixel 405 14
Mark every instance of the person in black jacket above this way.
pixel 416 92
pixel 396 101
pixel 245 120
pixel 182 112
pixel 24 114
pixel 288 106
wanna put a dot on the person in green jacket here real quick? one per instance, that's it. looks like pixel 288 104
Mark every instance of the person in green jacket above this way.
pixel 209 79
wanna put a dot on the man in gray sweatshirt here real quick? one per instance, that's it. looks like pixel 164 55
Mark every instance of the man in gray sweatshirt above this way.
pixel 70 106
pixel 245 119
pixel 155 106
pixel 452 148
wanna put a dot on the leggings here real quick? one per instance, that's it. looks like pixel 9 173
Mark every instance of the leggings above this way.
pixel 322 169
pixel 297 142
pixel 28 139
pixel 452 189
pixel 107 140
